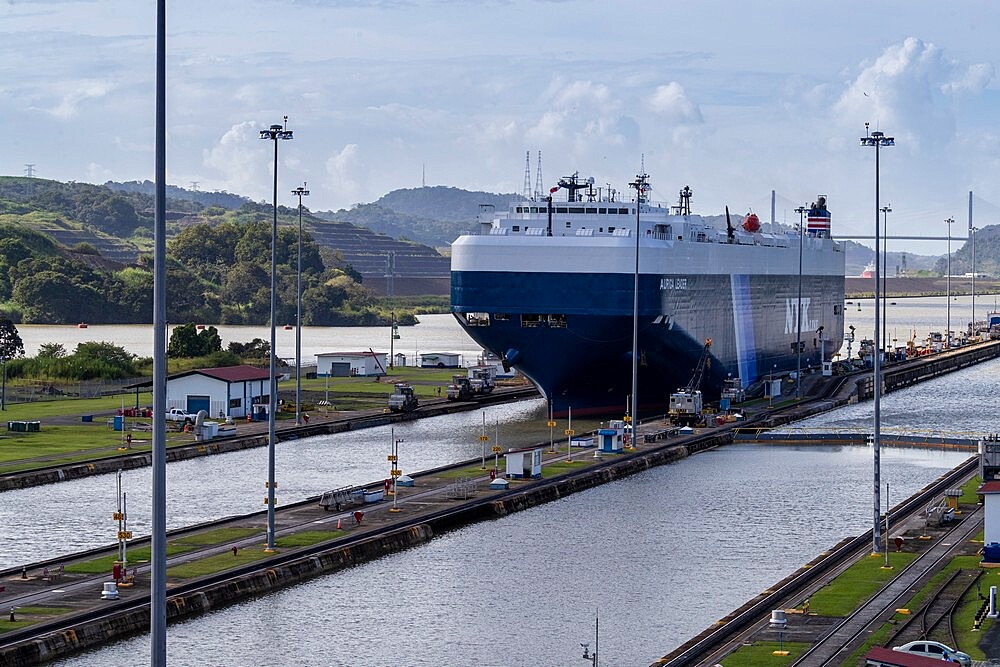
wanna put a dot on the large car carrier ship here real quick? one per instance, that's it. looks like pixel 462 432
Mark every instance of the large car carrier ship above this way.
pixel 549 287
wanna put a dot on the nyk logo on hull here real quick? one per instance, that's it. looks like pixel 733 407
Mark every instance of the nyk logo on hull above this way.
pixel 806 323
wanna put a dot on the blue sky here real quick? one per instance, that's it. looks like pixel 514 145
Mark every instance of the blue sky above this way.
pixel 727 97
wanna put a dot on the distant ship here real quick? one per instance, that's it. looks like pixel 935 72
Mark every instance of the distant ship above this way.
pixel 548 287
pixel 869 271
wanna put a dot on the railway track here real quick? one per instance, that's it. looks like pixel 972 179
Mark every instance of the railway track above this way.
pixel 851 632
pixel 935 618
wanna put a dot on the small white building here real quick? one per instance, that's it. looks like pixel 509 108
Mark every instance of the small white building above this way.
pixel 440 360
pixel 524 464
pixel 991 523
pixel 229 391
pixel 351 364
pixel 612 438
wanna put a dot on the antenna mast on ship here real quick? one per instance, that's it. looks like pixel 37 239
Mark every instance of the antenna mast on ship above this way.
pixel 538 178
pixel 526 191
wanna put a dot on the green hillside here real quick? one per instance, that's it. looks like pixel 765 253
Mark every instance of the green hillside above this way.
pixel 434 216
pixel 74 252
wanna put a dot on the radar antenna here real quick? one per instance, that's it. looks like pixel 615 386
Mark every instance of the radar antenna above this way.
pixel 685 201
pixel 572 184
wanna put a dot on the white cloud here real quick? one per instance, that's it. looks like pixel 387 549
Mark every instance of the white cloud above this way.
pixel 910 90
pixel 343 171
pixel 672 102
pixel 241 159
pixel 98 174
pixel 76 92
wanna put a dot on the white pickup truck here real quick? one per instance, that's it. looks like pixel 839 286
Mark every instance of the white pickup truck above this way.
pixel 178 415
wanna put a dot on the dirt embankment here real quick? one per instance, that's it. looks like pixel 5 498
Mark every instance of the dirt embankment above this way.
pixel 858 288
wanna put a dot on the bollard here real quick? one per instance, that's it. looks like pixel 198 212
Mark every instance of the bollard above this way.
pixel 11 614
pixel 993 603
pixel 24 571
pixel 110 591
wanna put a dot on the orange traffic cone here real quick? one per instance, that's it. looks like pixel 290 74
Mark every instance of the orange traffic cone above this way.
pixel 338 524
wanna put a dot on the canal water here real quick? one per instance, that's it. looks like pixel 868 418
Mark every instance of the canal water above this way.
pixel 39 523
pixel 660 556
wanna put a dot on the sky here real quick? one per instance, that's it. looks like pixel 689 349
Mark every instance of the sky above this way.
pixel 734 99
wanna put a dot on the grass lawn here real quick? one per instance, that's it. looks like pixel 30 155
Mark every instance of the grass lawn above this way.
pixel 104 563
pixel 39 410
pixel 967 639
pixel 759 654
pixel 969 495
pixel 43 611
pixel 70 444
pixel 55 440
pixel 217 563
pixel 856 584
pixel 7 626
pixel 466 472
pixel 560 467
pixel 217 536
pixel 308 537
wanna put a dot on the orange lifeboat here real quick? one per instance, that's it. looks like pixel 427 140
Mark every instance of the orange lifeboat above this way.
pixel 81 325
pixel 751 223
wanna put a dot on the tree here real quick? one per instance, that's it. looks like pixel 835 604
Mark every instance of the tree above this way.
pixel 187 342
pixel 51 351
pixel 11 346
pixel 258 348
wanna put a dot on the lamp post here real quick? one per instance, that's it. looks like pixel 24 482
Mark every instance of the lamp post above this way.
pixel 877 139
pixel 798 316
pixel 885 263
pixel 972 233
pixel 273 133
pixel 641 186
pixel 301 192
pixel 947 334
pixel 158 518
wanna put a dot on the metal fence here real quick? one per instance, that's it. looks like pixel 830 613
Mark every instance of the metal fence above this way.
pixel 46 391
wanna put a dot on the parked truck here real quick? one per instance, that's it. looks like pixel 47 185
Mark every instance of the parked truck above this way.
pixel 179 415
pixel 403 399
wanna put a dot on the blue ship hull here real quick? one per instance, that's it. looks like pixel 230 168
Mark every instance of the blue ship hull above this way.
pixel 571 333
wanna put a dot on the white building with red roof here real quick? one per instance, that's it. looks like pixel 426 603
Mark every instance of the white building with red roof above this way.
pixel 229 391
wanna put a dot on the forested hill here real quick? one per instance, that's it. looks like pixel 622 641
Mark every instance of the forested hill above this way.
pixel 76 252
pixel 434 216
pixel 222 198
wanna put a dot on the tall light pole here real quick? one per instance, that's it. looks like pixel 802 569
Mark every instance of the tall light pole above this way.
pixel 877 139
pixel 798 316
pixel 947 335
pixel 972 233
pixel 158 546
pixel 641 186
pixel 274 133
pixel 885 262
pixel 301 192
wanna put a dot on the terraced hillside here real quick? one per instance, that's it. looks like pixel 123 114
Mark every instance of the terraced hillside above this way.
pixel 369 252
pixel 110 248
